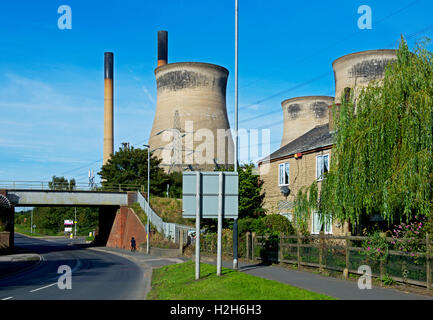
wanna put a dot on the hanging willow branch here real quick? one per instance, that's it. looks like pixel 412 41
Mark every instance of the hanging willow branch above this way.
pixel 383 153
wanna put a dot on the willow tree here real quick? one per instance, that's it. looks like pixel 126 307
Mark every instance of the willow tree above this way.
pixel 382 160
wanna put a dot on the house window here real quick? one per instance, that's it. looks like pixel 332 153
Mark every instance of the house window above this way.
pixel 289 216
pixel 317 225
pixel 283 174
pixel 322 166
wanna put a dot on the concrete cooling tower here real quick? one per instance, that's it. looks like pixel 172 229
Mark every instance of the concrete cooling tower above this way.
pixel 302 114
pixel 191 127
pixel 355 71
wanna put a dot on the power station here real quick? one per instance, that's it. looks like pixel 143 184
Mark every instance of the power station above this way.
pixel 191 127
pixel 352 73
pixel 356 70
pixel 191 130
pixel 302 114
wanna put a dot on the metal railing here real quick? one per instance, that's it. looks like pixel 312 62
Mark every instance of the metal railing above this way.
pixel 170 230
pixel 78 186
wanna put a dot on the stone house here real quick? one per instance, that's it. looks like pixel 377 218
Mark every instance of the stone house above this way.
pixel 294 166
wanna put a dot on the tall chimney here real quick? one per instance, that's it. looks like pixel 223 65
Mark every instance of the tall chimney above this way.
pixel 108 107
pixel 162 48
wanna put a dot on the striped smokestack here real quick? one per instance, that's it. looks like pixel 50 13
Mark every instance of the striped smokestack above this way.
pixel 162 48
pixel 108 107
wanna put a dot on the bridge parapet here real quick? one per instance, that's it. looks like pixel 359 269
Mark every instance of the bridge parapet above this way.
pixel 35 198
pixel 78 186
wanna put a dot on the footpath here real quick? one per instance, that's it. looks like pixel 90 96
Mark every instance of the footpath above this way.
pixel 334 287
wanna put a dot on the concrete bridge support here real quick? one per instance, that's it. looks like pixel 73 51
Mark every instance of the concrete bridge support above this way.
pixel 107 214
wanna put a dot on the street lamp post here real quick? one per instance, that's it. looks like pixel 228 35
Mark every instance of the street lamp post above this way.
pixel 235 224
pixel 148 199
pixel 31 221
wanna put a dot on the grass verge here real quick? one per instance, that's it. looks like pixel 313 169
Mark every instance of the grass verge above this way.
pixel 177 282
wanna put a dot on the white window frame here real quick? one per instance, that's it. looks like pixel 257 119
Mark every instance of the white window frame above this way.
pixel 315 218
pixel 288 216
pixel 285 166
pixel 319 159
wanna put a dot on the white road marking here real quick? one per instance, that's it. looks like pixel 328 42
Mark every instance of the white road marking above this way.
pixel 50 285
pixel 7 298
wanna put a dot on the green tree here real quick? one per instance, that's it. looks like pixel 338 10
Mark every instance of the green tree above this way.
pixel 61 183
pixel 128 166
pixel 250 193
pixel 175 190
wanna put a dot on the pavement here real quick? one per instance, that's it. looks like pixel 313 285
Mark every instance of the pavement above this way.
pixel 334 287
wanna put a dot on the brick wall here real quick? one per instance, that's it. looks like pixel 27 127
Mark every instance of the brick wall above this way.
pixel 126 225
pixel 302 174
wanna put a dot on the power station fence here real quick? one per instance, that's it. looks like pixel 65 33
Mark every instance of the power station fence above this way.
pixel 170 230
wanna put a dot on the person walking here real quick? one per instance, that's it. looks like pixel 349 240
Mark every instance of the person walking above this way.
pixel 133 244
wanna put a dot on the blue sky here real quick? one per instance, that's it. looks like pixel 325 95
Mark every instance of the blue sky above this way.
pixel 51 80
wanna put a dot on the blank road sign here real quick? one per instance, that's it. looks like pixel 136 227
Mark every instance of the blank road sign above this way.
pixel 209 182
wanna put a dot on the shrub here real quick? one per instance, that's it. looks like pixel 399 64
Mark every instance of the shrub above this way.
pixel 376 246
pixel 406 237
pixel 251 225
pixel 276 223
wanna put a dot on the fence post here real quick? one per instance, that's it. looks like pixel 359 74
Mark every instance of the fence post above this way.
pixel 248 245
pixel 427 259
pixel 181 241
pixel 382 263
pixel 299 251
pixel 348 244
pixel 253 240
pixel 280 249
pixel 321 245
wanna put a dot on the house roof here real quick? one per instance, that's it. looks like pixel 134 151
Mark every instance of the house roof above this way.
pixel 317 137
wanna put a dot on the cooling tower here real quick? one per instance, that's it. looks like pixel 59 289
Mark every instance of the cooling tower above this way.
pixel 108 107
pixel 190 128
pixel 357 70
pixel 302 114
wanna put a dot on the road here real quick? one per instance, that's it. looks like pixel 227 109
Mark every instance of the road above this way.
pixel 95 275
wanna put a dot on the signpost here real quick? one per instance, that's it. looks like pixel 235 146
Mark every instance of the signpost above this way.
pixel 68 226
pixel 209 195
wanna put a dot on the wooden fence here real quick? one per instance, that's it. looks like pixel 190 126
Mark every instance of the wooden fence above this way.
pixel 340 253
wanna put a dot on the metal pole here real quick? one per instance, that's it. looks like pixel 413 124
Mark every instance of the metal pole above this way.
pixel 197 228
pixel 75 224
pixel 235 224
pixel 148 200
pixel 31 221
pixel 220 223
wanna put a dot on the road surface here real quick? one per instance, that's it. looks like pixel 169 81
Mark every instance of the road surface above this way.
pixel 96 275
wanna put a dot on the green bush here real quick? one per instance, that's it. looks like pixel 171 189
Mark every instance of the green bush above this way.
pixel 251 225
pixel 276 223
pixel 272 223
